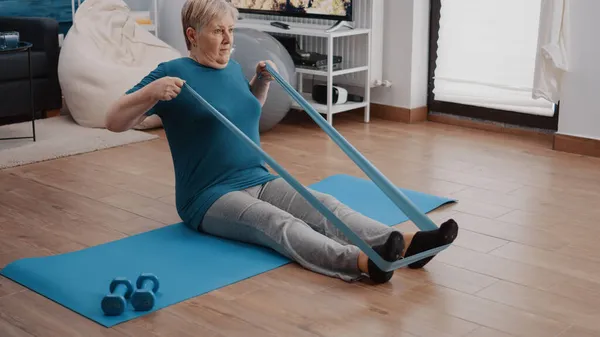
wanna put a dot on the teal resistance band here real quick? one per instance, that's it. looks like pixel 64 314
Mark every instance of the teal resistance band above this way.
pixel 420 219
pixel 372 254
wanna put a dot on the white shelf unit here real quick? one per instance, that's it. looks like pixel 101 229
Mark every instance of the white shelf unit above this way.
pixel 305 29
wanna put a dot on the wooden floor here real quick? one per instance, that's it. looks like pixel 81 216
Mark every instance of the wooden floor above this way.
pixel 526 262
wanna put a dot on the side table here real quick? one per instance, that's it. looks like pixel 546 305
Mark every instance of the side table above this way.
pixel 24 47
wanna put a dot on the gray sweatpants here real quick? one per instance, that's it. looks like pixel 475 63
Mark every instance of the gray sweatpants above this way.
pixel 275 215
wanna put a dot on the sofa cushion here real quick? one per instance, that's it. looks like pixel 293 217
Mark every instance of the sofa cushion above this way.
pixel 14 66
pixel 45 96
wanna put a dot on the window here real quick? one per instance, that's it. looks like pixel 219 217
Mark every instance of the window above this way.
pixel 482 61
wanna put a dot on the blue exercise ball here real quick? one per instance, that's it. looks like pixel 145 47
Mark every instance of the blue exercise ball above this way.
pixel 252 46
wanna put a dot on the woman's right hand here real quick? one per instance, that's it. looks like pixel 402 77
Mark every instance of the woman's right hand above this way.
pixel 129 110
pixel 166 88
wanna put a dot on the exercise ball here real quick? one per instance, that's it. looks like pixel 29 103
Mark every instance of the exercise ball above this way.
pixel 252 46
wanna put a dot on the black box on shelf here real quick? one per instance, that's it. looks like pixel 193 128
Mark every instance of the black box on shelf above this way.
pixel 304 59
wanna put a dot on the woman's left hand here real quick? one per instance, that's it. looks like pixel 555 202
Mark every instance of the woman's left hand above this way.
pixel 262 73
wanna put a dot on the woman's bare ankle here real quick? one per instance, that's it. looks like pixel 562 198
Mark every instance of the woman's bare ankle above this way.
pixel 363 262
pixel 407 240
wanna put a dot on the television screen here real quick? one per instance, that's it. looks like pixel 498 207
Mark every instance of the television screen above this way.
pixel 324 9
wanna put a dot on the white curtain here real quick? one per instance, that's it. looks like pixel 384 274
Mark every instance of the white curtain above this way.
pixel 487 55
pixel 551 61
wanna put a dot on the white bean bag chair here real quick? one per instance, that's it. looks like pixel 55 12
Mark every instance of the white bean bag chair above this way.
pixel 103 55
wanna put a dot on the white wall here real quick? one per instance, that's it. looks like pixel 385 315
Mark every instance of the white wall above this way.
pixel 579 110
pixel 420 55
pixel 170 29
pixel 397 54
pixel 169 19
pixel 405 54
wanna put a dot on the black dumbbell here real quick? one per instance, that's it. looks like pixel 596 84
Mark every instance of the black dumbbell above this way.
pixel 143 298
pixel 114 303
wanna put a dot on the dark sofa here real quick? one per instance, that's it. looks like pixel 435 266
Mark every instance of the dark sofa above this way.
pixel 14 78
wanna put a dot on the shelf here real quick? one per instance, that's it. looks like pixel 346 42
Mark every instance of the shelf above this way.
pixel 140 15
pixel 322 108
pixel 307 29
pixel 150 28
pixel 143 16
pixel 299 28
pixel 334 73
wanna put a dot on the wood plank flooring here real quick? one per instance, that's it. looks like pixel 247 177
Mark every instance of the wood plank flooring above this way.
pixel 526 262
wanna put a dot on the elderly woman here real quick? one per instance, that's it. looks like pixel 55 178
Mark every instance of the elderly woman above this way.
pixel 224 188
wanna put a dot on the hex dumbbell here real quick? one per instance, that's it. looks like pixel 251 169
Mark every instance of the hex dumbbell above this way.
pixel 144 297
pixel 114 303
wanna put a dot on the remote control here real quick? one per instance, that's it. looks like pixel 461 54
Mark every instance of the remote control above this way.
pixel 280 25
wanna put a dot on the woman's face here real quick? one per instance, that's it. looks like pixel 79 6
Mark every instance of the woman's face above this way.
pixel 211 46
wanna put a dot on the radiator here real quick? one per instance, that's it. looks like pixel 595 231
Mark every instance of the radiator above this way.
pixel 367 14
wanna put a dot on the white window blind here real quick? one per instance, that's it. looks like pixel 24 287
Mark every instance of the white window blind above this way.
pixel 486 55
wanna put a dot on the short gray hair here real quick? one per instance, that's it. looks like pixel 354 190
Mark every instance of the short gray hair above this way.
pixel 197 13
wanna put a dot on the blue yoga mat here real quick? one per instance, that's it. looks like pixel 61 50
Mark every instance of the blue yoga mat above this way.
pixel 365 197
pixel 187 263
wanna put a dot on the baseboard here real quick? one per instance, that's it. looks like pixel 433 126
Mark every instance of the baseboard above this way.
pixel 564 143
pixel 545 135
pixel 577 145
pixel 398 114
